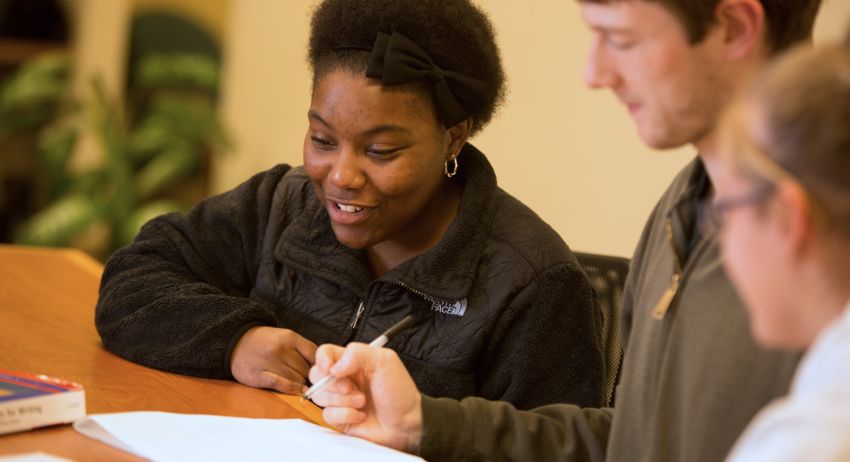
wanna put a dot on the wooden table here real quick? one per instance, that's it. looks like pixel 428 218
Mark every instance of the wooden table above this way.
pixel 47 299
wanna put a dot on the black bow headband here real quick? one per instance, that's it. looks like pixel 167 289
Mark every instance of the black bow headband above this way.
pixel 395 59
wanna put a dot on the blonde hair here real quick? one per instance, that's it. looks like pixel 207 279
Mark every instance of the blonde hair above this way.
pixel 802 103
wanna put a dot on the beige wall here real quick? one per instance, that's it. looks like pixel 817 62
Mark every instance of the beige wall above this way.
pixel 568 152
pixel 265 88
pixel 100 49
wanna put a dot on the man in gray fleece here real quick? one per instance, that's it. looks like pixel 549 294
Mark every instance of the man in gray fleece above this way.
pixel 692 378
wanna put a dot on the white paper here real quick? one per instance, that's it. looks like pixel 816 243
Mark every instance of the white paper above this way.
pixel 33 457
pixel 163 436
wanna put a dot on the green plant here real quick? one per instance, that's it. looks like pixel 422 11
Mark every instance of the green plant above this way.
pixel 34 94
pixel 152 146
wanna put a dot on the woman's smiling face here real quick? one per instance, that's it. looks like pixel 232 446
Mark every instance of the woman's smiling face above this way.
pixel 375 156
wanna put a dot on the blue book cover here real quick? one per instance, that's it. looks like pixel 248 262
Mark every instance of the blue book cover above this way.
pixel 30 401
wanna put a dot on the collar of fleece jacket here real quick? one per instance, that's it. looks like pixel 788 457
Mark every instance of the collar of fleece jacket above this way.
pixel 446 271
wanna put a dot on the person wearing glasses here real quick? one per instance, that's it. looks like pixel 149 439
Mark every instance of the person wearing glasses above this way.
pixel 393 213
pixel 783 208
pixel 692 376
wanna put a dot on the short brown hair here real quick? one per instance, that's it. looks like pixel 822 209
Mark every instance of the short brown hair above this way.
pixel 788 21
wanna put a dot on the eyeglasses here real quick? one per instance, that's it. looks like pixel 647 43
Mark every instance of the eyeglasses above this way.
pixel 718 208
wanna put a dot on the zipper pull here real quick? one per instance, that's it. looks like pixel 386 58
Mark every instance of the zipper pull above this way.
pixel 666 298
pixel 360 308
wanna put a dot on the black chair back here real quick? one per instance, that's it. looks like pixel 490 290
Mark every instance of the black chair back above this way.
pixel 607 275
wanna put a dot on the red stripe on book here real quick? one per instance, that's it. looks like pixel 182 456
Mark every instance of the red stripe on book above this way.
pixel 40 382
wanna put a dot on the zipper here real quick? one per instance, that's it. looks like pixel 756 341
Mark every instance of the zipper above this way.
pixel 667 297
pixel 419 293
pixel 361 307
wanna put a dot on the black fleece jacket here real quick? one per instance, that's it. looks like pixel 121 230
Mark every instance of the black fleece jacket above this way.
pixel 503 310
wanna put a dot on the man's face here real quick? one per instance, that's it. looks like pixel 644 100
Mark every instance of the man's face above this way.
pixel 673 90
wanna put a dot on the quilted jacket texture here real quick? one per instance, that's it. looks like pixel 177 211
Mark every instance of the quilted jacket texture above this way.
pixel 502 308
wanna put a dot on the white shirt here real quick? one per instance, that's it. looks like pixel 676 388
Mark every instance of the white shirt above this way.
pixel 812 423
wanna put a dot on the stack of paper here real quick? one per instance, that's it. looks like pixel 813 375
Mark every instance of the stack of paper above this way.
pixel 164 436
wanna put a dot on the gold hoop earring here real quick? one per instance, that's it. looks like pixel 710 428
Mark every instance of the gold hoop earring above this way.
pixel 454 168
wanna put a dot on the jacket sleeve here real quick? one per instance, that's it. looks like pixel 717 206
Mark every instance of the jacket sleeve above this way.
pixel 545 347
pixel 475 429
pixel 177 298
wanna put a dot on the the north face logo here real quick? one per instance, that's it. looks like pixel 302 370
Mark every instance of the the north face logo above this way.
pixel 455 309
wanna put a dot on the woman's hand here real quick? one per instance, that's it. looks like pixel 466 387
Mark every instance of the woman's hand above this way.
pixel 373 397
pixel 271 357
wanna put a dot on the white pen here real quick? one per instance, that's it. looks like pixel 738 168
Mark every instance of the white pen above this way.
pixel 377 343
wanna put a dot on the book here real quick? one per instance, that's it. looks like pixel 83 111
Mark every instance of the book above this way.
pixel 30 401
